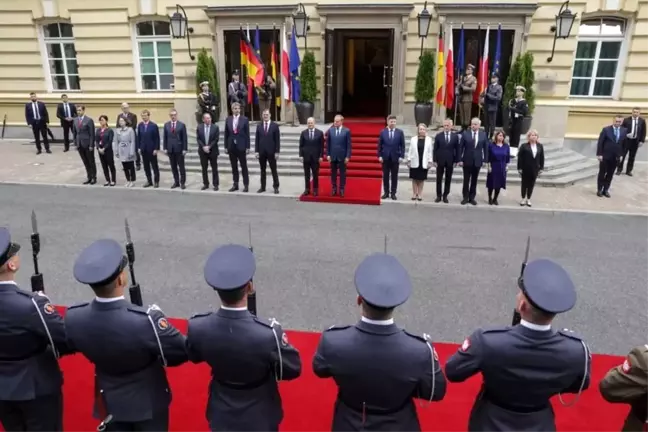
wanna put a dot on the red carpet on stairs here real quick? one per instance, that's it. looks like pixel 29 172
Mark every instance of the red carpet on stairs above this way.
pixel 364 172
pixel 308 401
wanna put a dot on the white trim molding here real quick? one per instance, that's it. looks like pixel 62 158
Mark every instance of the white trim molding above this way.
pixel 43 43
pixel 137 67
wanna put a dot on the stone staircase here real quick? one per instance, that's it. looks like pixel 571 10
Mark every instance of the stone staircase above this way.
pixel 562 167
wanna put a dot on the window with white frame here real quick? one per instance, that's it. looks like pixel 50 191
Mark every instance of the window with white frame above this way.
pixel 61 56
pixel 155 56
pixel 598 54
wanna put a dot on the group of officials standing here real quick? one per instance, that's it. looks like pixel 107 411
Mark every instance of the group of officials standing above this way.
pixel 130 347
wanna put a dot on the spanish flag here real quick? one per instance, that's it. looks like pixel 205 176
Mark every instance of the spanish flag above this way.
pixel 273 62
pixel 251 60
pixel 440 78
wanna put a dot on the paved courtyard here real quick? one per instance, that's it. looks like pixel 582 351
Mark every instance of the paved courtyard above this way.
pixel 629 194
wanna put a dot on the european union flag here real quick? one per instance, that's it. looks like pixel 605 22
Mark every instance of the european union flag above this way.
pixel 295 62
pixel 498 51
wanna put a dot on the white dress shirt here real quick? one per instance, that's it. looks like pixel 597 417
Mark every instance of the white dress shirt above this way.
pixel 387 322
pixel 108 299
pixel 236 309
pixel 536 327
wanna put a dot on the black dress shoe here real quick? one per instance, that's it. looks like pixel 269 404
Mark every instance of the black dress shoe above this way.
pixel 215 188
pixel 112 184
pixel 618 172
pixel 175 185
pixel 445 199
pixel 437 200
pixel 599 194
pixel 48 151
pixel 315 192
pixel 148 185
pixel 183 187
pixel 276 191
pixel 305 193
pixel 138 167
pixel 86 182
pixel 333 192
pixel 106 184
pixel 342 193
pixel 246 189
pixel 607 194
pixel 490 201
pixel 205 187
pixel 66 150
pixel 629 174
pixel 261 190
pixel 473 202
pixel 94 181
pixel 393 197
pixel 495 202
pixel 156 185
pixel 38 152
pixel 384 196
pixel 464 201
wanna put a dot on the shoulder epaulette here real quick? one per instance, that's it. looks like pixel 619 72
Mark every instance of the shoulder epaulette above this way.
pixel 570 334
pixel 498 329
pixel 262 322
pixel 415 336
pixel 137 309
pixel 200 315
pixel 78 305
pixel 336 327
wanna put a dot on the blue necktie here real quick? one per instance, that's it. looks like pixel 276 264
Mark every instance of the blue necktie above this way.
pixel 616 134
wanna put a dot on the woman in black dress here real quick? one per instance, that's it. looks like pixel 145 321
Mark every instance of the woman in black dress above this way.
pixel 419 160
pixel 104 140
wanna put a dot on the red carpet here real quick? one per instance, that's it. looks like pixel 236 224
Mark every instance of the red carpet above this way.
pixel 308 401
pixel 364 172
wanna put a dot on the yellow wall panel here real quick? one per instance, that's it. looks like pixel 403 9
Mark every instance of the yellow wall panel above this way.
pixel 19 46
pixel 14 32
pixel 20 16
pixel 104 85
pixel 23 86
pixel 20 72
pixel 108 48
pixel 27 58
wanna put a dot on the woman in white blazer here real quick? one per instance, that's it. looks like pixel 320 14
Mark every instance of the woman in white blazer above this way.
pixel 419 160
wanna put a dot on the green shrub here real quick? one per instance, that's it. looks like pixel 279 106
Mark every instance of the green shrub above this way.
pixel 424 87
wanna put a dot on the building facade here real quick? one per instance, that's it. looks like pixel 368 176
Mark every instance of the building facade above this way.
pixel 366 53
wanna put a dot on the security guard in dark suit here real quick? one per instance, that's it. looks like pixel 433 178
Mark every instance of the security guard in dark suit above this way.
pixel 523 366
pixel 32 337
pixel 378 367
pixel 129 345
pixel 247 356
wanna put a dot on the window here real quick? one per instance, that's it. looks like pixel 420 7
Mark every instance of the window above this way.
pixel 598 53
pixel 61 56
pixel 155 56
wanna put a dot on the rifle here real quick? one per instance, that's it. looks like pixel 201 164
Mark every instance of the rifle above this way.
pixel 252 301
pixel 37 284
pixel 516 315
pixel 134 290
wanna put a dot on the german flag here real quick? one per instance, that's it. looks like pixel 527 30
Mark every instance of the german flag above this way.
pixel 251 60
pixel 274 63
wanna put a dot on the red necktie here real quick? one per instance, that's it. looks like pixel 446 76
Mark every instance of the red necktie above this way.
pixel 173 127
pixel 80 121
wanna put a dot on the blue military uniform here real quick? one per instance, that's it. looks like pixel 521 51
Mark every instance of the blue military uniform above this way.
pixel 129 346
pixel 247 355
pixel 378 367
pixel 523 366
pixel 32 338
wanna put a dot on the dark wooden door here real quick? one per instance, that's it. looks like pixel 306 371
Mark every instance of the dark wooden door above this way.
pixel 330 90
pixel 388 73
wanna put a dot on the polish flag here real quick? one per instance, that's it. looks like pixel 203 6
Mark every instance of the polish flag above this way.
pixel 285 68
pixel 450 80
pixel 482 78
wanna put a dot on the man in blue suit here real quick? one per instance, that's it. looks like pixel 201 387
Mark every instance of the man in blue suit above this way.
pixel 148 145
pixel 391 151
pixel 237 146
pixel 609 150
pixel 174 144
pixel 338 151
pixel 37 117
pixel 473 153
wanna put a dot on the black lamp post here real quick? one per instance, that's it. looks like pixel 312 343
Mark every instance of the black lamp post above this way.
pixel 564 23
pixel 300 22
pixel 424 20
pixel 180 27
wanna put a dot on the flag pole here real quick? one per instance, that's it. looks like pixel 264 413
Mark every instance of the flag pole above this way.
pixel 273 68
pixel 247 82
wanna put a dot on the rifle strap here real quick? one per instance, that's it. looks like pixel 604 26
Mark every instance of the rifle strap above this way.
pixel 157 336
pixel 47 331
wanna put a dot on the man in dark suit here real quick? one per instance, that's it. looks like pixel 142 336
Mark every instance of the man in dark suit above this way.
pixel 131 121
pixel 66 112
pixel 636 128
pixel 84 136
pixel 208 135
pixel 174 144
pixel 338 150
pixel 473 153
pixel 267 145
pixel 37 117
pixel 391 151
pixel 311 152
pixel 237 146
pixel 609 150
pixel 445 156
pixel 148 145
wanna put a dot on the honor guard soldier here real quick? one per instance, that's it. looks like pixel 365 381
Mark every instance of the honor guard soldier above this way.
pixel 524 365
pixel 247 356
pixel 628 384
pixel 128 345
pixel 518 110
pixel 378 367
pixel 32 337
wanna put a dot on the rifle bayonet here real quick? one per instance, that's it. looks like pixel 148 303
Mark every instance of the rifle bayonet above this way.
pixel 516 315
pixel 252 300
pixel 134 290
pixel 37 284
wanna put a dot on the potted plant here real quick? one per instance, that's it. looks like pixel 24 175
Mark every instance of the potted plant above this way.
pixel 521 74
pixel 424 89
pixel 206 71
pixel 307 78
